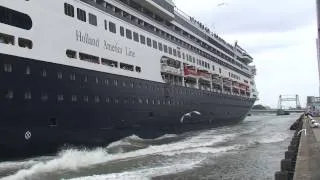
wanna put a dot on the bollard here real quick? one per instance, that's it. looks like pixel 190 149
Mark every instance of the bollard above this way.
pixel 281 175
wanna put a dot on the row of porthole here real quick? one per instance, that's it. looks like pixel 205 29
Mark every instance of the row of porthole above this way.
pixel 97 99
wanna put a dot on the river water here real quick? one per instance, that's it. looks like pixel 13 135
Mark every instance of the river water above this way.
pixel 249 150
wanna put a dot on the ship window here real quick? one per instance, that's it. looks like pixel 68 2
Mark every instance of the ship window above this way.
pixel 126 66
pixel 170 50
pixel 140 100
pixel 124 84
pixel 149 42
pixel 135 36
pixel 183 56
pixel 116 100
pixel 220 70
pixel 44 73
pixel 7 67
pixel 112 27
pixel 89 58
pixel 71 54
pixel 160 46
pixel 131 84
pixel 147 101
pixel 165 48
pixel 142 39
pixel 179 54
pixel 110 63
pixel 81 14
pixel 115 82
pixel 28 70
pixel 59 75
pixel 93 19
pixel 44 96
pixel 73 98
pixel 174 52
pixel 106 81
pixel 25 43
pixel 60 97
pixel 155 45
pixel 138 69
pixel 105 25
pixel 68 9
pixel 72 77
pixel 97 99
pixel 107 100
pixel 121 31
pixel 6 39
pixel 9 94
pixel 27 95
pixel 97 80
pixel 86 98
pixel 128 34
pixel 15 18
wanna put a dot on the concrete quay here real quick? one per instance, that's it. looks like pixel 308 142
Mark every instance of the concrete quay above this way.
pixel 302 160
pixel 308 158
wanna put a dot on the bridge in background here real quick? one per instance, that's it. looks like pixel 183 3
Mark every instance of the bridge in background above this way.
pixel 275 111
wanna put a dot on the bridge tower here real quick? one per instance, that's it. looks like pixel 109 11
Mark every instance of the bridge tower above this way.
pixel 289 98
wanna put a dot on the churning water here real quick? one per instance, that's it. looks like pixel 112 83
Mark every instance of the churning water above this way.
pixel 250 150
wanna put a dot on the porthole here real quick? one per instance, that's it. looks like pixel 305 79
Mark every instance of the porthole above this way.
pixel 44 96
pixel 131 84
pixel 107 100
pixel 115 82
pixel 86 98
pixel 72 77
pixel 73 98
pixel 27 95
pixel 147 101
pixel 44 73
pixel 97 80
pixel 140 100
pixel 28 70
pixel 59 74
pixel 9 94
pixel 106 81
pixel 124 84
pixel 7 67
pixel 116 100
pixel 97 99
pixel 85 79
pixel 60 97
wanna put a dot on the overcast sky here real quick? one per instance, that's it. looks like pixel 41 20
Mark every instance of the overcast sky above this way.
pixel 279 34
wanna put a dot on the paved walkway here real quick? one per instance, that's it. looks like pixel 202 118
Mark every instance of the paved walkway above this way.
pixel 308 160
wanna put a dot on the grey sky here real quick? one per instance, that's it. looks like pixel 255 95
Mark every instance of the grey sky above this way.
pixel 280 35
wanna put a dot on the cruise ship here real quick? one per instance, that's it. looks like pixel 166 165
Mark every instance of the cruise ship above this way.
pixel 86 73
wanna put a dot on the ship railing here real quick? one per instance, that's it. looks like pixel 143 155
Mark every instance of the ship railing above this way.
pixel 216 81
pixel 200 27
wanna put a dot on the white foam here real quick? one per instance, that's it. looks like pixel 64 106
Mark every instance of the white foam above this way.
pixel 203 150
pixel 166 136
pixel 19 164
pixel 74 159
pixel 146 173
pixel 276 137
